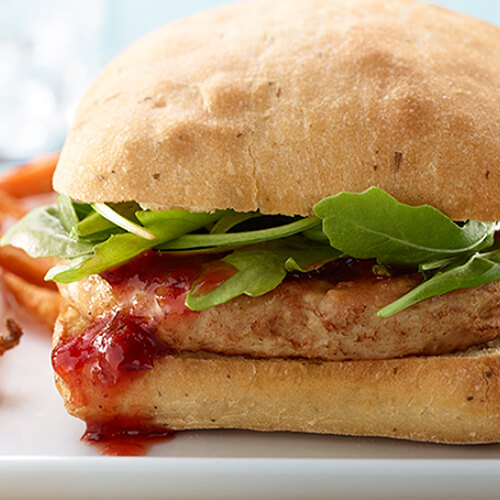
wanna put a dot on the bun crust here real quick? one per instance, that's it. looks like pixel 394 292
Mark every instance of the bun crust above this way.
pixel 276 105
pixel 448 398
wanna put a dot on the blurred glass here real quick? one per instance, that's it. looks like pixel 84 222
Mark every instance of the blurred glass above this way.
pixel 52 50
pixel 48 58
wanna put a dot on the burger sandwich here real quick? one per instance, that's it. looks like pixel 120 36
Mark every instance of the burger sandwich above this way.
pixel 282 216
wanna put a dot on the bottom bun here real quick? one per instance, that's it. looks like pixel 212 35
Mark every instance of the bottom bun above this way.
pixel 448 398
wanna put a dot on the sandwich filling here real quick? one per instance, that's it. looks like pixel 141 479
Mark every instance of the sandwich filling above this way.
pixel 257 251
pixel 365 277
pixel 327 314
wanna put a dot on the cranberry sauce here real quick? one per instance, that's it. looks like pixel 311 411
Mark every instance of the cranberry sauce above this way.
pixel 115 346
pixel 125 437
pixel 110 351
pixel 164 278
pixel 169 278
pixel 97 365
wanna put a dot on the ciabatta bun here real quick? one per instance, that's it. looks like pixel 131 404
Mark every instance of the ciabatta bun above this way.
pixel 274 105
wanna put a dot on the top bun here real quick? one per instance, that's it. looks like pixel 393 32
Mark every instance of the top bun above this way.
pixel 274 105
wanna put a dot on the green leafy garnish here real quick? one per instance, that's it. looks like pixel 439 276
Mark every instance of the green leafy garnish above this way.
pixel 119 220
pixel 95 228
pixel 67 213
pixel 316 234
pixel 120 248
pixel 243 238
pixel 262 268
pixel 479 269
pixel 373 224
pixel 231 219
pixel 41 233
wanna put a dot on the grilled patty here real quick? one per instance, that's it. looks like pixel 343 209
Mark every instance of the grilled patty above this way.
pixel 313 318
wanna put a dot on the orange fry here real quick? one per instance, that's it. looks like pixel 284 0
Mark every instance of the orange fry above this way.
pixel 32 270
pixel 10 206
pixel 11 339
pixel 34 177
pixel 43 304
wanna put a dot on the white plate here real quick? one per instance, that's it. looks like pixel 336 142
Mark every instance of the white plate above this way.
pixel 41 456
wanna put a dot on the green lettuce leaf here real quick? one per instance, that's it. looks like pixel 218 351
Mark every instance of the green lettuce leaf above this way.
pixel 373 224
pixel 41 233
pixel 190 241
pixel 479 269
pixel 95 227
pixel 262 268
pixel 120 248
pixel 231 219
pixel 66 212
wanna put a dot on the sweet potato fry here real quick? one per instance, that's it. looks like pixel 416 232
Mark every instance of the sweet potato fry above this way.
pixel 18 262
pixel 10 206
pixel 34 177
pixel 11 339
pixel 41 303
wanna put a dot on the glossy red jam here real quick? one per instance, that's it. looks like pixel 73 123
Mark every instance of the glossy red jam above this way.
pixel 166 278
pixel 169 278
pixel 108 352
pixel 213 275
pixel 125 437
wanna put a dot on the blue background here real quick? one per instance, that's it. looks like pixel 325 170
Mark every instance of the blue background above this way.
pixel 129 19
pixel 95 31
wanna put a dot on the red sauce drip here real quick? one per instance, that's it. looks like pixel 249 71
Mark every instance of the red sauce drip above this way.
pixel 213 275
pixel 109 351
pixel 125 437
pixel 165 277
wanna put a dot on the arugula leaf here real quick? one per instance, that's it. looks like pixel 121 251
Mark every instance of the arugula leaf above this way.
pixel 66 211
pixel 232 219
pixel 67 266
pixel 244 238
pixel 121 221
pixel 373 224
pixel 316 234
pixel 305 256
pixel 262 268
pixel 436 264
pixel 363 225
pixel 81 209
pixel 95 227
pixel 41 233
pixel 259 272
pixel 92 225
pixel 120 248
pixel 479 269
